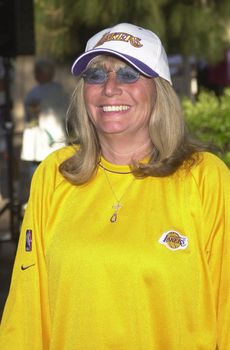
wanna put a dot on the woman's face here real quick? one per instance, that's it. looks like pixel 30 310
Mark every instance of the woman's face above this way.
pixel 120 108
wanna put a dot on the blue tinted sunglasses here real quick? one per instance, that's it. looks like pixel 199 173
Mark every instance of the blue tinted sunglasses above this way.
pixel 124 75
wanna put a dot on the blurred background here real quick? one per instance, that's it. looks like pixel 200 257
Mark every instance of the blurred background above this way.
pixel 195 33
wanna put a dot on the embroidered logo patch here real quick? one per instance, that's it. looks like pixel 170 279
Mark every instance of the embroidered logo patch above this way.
pixel 28 246
pixel 174 240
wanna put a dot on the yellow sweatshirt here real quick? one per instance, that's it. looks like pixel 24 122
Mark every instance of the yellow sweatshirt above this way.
pixel 158 278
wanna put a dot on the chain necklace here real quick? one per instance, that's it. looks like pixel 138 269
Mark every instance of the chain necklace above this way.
pixel 117 205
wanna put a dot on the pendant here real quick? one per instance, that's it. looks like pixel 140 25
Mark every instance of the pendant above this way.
pixel 113 217
pixel 116 206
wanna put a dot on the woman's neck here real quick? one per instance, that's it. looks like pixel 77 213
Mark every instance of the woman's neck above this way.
pixel 124 153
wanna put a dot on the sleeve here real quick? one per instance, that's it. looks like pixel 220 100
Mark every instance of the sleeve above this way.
pixel 25 322
pixel 216 224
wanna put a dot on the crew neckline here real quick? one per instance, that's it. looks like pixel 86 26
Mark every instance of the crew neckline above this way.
pixel 115 168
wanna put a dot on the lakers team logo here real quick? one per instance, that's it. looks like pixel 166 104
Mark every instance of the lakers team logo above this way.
pixel 120 36
pixel 174 240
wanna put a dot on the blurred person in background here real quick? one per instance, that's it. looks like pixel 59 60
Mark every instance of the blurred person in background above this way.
pixel 125 241
pixel 45 110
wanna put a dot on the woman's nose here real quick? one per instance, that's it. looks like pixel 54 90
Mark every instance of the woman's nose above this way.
pixel 112 86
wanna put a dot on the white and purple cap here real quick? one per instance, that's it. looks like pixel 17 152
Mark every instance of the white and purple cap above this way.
pixel 139 47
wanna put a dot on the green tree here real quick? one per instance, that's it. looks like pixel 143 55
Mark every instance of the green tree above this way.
pixel 198 27
pixel 186 26
pixel 208 119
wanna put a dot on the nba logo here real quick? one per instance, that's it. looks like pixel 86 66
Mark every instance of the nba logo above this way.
pixel 28 240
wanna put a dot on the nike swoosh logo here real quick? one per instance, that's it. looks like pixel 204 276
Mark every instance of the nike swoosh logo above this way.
pixel 25 267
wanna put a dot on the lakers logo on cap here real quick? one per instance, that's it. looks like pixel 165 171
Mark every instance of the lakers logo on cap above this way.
pixel 174 240
pixel 120 36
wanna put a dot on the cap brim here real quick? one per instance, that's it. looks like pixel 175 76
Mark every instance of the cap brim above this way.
pixel 82 61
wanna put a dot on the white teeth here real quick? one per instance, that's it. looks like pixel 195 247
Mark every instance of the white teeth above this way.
pixel 114 108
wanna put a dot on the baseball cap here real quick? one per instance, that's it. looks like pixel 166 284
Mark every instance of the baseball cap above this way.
pixel 139 47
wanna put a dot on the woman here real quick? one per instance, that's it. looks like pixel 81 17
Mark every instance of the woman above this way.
pixel 127 229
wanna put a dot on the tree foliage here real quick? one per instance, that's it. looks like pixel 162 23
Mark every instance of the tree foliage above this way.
pixel 185 26
pixel 199 28
pixel 208 119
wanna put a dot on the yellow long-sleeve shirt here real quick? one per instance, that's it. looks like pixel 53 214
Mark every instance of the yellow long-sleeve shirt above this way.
pixel 156 279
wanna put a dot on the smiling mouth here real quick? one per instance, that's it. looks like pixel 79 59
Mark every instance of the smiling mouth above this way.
pixel 114 108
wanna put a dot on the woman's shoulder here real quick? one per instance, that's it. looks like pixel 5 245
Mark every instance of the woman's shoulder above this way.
pixel 210 166
pixel 49 167
pixel 60 155
pixel 208 159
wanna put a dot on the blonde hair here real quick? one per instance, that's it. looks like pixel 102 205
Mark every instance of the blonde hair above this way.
pixel 171 144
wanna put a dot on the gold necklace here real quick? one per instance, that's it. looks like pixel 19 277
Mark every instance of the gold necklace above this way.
pixel 117 205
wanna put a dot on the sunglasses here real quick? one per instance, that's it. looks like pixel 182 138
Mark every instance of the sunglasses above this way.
pixel 124 75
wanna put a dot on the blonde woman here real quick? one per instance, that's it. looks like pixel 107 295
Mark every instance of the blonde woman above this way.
pixel 125 240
